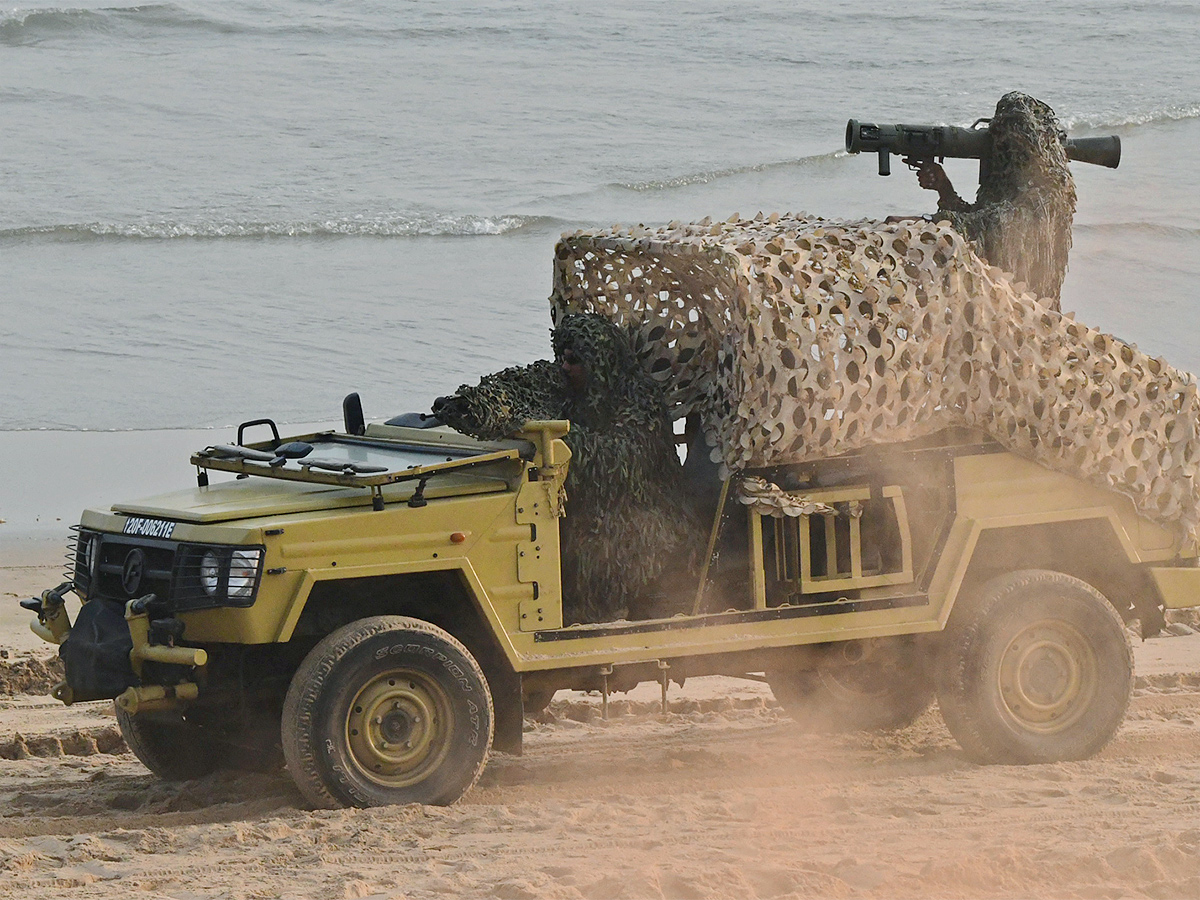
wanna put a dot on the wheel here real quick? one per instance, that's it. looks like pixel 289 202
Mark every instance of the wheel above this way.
pixel 535 702
pixel 170 747
pixel 1037 669
pixel 883 691
pixel 179 749
pixel 387 710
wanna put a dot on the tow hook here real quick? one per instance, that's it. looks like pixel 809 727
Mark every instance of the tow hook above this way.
pixel 53 623
pixel 154 640
pixel 143 631
pixel 156 696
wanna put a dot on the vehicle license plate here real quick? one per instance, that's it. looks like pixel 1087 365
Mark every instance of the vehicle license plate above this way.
pixel 142 527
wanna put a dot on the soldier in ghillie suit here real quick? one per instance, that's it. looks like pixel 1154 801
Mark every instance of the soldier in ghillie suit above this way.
pixel 629 527
pixel 1021 218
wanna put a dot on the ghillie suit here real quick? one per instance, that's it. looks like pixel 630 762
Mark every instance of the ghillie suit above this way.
pixel 628 520
pixel 798 339
pixel 1021 218
pixel 502 403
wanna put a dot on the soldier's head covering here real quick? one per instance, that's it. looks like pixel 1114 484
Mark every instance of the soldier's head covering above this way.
pixel 1028 151
pixel 612 376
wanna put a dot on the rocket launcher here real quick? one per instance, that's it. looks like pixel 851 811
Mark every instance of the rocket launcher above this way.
pixel 918 144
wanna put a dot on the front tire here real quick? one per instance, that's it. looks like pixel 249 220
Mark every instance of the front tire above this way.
pixel 387 710
pixel 1038 668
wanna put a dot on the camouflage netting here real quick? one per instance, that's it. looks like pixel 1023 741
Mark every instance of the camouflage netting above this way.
pixel 798 339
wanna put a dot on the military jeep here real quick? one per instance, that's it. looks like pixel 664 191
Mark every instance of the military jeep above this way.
pixel 381 606
pixel 920 480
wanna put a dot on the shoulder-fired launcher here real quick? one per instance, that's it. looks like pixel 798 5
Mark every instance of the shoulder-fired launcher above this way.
pixel 926 143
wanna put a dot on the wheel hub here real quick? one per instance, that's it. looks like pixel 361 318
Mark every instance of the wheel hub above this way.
pixel 865 673
pixel 397 728
pixel 1048 676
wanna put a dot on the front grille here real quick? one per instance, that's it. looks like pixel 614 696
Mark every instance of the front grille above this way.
pixel 187 576
pixel 77 571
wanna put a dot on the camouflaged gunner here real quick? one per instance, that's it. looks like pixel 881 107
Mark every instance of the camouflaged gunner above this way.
pixel 1021 218
pixel 629 528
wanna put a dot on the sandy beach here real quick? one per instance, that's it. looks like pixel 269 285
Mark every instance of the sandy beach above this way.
pixel 723 797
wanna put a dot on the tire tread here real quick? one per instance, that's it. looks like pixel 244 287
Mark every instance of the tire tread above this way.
pixel 160 749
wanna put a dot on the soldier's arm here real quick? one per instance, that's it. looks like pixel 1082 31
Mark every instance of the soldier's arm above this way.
pixel 933 177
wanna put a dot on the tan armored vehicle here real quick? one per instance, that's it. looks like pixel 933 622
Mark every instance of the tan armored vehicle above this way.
pixel 384 604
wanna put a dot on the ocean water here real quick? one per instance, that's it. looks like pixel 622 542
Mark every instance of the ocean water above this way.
pixel 216 211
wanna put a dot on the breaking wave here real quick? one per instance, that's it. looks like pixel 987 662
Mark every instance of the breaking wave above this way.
pixel 21 26
pixel 419 225
pixel 1163 116
pixel 32 26
pixel 708 177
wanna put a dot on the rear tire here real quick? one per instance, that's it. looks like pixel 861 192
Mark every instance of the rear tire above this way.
pixel 170 747
pixel 1037 668
pixel 387 710
pixel 883 692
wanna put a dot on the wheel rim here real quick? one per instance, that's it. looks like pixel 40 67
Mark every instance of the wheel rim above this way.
pixel 1048 676
pixel 398 727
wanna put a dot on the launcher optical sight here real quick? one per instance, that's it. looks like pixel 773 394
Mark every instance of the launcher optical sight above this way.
pixel 918 144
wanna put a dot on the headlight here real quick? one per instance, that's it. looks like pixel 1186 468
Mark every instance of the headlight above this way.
pixel 87 563
pixel 243 572
pixel 207 576
pixel 210 573
pixel 91 550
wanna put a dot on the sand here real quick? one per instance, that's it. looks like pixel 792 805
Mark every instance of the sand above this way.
pixel 723 797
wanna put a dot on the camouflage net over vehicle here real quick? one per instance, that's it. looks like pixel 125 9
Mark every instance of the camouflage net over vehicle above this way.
pixel 798 339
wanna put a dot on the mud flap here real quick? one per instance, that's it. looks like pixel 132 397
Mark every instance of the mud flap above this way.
pixel 96 652
pixel 505 685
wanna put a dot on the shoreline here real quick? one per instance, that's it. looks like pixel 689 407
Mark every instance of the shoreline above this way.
pixel 47 478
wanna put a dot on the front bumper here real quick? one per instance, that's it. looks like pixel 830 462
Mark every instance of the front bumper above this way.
pixel 106 651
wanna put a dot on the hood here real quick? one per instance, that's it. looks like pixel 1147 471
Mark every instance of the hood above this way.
pixel 257 498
